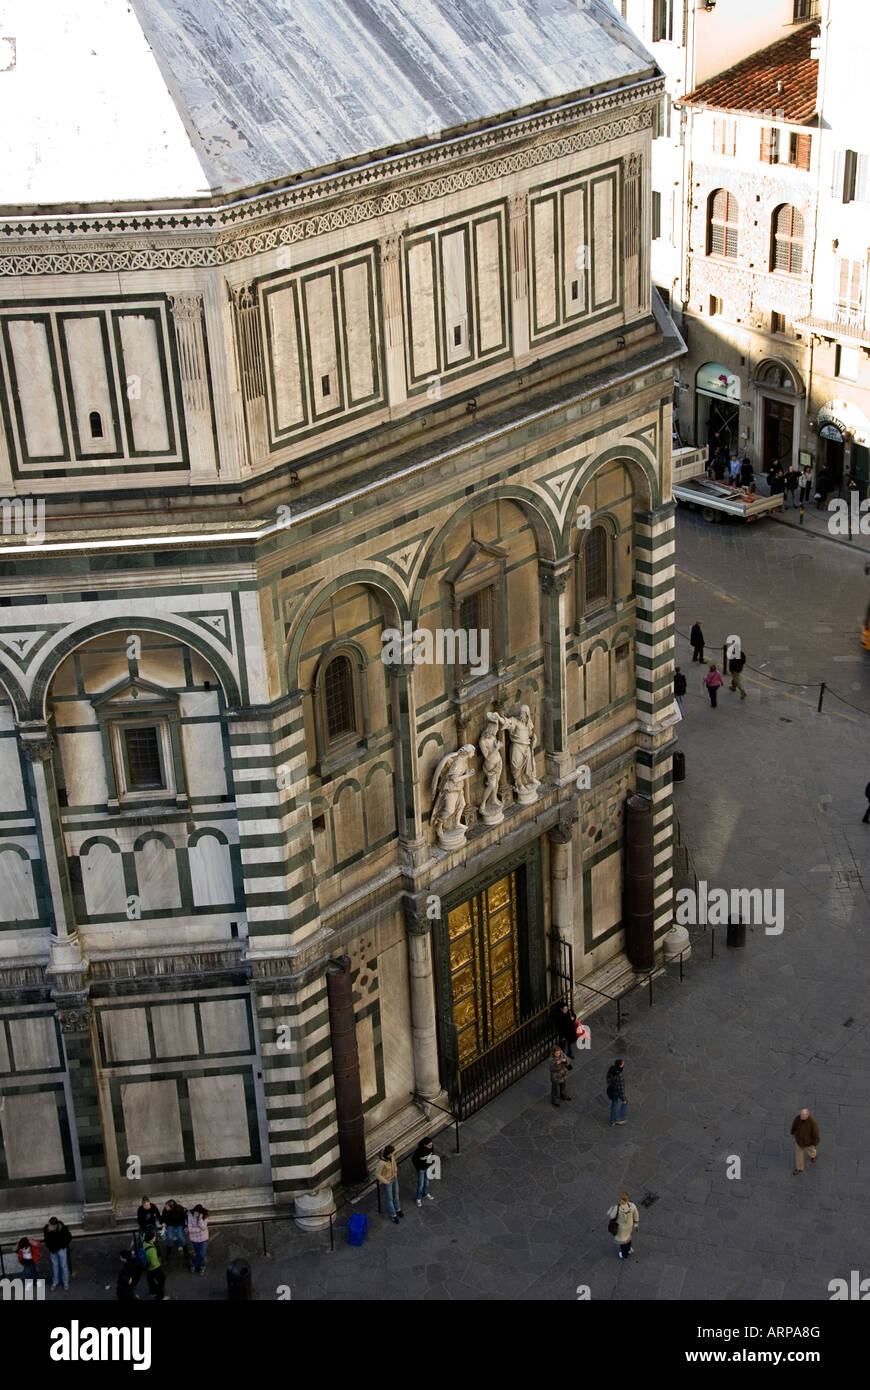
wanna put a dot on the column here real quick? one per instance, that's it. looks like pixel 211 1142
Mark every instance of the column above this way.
pixel 187 317
pixel 554 581
pixel 345 1071
pixel 424 1038
pixel 519 271
pixel 654 668
pixel 394 326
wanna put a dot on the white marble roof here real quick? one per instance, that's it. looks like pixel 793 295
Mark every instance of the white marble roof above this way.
pixel 224 94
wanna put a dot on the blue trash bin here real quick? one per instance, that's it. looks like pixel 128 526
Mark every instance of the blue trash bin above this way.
pixel 357 1228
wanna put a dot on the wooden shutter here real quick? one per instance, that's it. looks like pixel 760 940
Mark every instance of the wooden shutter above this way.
pixel 804 148
pixel 766 154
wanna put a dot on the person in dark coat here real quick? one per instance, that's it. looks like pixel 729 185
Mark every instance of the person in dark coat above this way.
pixel 559 1069
pixel 791 483
pixel 421 1159
pixel 865 819
pixel 696 637
pixel 616 1092
pixel 57 1239
pixel 805 1132
pixel 679 688
pixel 147 1216
pixel 128 1277
pixel 747 474
pixel 735 671
pixel 565 1020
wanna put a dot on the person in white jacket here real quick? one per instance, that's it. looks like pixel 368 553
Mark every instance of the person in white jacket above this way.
pixel 625 1216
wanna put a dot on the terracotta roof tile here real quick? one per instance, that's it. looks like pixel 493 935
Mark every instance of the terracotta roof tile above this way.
pixel 753 84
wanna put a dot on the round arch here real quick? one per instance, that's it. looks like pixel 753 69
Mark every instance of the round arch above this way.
pixel 381 584
pixel 642 469
pixel 13 691
pixel 71 641
pixel 546 534
pixel 775 374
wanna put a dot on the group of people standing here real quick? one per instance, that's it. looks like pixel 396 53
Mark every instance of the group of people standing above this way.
pixel 388 1177
pixel 158 1234
pixel 56 1238
pixel 713 680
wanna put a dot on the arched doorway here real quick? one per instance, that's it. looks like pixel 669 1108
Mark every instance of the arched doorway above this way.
pixel 777 393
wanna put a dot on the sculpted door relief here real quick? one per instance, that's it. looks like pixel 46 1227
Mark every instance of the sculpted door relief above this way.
pixel 484 973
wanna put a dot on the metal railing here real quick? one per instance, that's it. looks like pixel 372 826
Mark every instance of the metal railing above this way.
pixel 504 1062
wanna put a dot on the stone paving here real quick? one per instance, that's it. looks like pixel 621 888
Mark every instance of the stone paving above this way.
pixel 720 1064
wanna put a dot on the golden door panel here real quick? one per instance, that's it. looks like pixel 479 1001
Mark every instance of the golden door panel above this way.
pixel 484 976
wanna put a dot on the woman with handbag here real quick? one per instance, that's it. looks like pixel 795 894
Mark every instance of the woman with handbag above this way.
pixel 623 1222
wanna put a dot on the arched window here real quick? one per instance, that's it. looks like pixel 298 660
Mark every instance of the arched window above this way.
pixel 96 422
pixel 722 213
pixel 596 569
pixel 339 703
pixel 787 240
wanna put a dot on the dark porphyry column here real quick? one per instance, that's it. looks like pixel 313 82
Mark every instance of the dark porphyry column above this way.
pixel 345 1071
pixel 639 883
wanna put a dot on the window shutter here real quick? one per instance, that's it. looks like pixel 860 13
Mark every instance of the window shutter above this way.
pixel 861 178
pixel 850 160
pixel 718 139
pixel 804 148
pixel 855 286
pixel 837 180
pixel 766 154
pixel 731 136
pixel 845 271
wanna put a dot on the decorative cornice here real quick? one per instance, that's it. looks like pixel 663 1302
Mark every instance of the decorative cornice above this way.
pixel 223 236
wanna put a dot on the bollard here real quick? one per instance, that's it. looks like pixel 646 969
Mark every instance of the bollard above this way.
pixel 821 697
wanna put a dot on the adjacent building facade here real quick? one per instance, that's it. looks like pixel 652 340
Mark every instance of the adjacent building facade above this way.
pixel 346 450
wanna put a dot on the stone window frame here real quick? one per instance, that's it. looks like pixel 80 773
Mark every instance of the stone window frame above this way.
pixel 149 706
pixel 333 753
pixel 729 225
pixel 792 240
pixel 593 610
pixel 480 567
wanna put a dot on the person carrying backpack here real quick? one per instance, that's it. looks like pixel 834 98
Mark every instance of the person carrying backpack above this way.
pixel 616 1092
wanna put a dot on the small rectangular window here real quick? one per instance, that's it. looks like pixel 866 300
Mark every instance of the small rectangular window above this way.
pixel 656 215
pixel 777 322
pixel 319 823
pixel 324 385
pixel 847 362
pixel 769 153
pixel 663 20
pixel 715 305
pixel 457 335
pixel 575 289
pixel 724 136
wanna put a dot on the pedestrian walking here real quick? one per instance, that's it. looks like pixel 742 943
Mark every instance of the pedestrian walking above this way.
pixel 805 1132
pixel 792 482
pixel 197 1234
pixel 57 1240
pixel 616 1092
pixel 624 1221
pixel 865 819
pixel 174 1218
pixel 565 1021
pixel 735 671
pixel 747 473
pixel 696 637
pixel 712 682
pixel 154 1271
pixel 559 1069
pixel 128 1277
pixel 388 1177
pixel 679 687
pixel 28 1252
pixel 422 1160
pixel 734 469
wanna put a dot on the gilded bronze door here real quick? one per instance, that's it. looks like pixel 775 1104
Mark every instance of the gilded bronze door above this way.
pixel 484 968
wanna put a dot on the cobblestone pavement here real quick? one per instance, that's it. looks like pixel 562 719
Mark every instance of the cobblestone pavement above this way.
pixel 720 1064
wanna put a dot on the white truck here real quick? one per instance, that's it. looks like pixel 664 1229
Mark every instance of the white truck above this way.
pixel 692 488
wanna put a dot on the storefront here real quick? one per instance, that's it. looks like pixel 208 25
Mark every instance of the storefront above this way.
pixel 717 409
pixel 776 391
pixel 844 444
